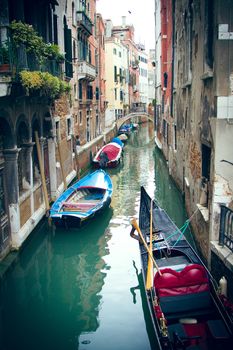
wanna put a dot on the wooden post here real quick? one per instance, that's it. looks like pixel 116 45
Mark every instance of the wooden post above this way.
pixel 61 164
pixel 42 174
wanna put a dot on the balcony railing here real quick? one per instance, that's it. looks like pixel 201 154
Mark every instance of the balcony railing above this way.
pixel 226 228
pixel 86 71
pixel 84 21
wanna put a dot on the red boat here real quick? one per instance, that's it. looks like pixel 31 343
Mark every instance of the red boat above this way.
pixel 108 156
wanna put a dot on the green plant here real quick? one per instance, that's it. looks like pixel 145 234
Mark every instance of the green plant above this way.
pixel 52 51
pixel 31 81
pixel 24 34
pixel 47 84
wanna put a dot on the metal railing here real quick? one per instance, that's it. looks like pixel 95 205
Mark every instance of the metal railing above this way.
pixel 226 227
pixel 84 21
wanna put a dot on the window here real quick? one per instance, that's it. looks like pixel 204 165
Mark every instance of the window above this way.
pixel 121 95
pixel 206 156
pixel 119 54
pixel 80 91
pixel 68 50
pixel 68 127
pixel 115 74
pixel 175 138
pixel 88 132
pixel 74 50
pixel 97 94
pixel 115 92
pixel 114 51
pixel 57 130
pixel 73 14
pixel 208 33
pixel 80 118
pixel 164 129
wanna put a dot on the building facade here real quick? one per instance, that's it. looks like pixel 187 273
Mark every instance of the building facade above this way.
pixel 195 124
pixel 50 100
pixel 116 79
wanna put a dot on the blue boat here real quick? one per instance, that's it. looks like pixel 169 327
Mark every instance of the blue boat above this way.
pixel 118 141
pixel 125 129
pixel 83 200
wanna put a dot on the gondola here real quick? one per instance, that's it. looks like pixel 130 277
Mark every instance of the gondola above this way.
pixel 83 200
pixel 182 296
pixel 108 156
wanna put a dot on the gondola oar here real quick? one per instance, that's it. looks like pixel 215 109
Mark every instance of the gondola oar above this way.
pixel 135 225
pixel 149 276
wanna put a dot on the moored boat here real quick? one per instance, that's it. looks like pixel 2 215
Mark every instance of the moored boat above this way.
pixel 83 200
pixel 119 141
pixel 125 129
pixel 108 156
pixel 182 296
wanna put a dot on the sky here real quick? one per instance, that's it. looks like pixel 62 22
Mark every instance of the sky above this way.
pixel 139 13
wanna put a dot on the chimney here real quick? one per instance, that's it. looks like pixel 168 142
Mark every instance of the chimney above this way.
pixel 123 21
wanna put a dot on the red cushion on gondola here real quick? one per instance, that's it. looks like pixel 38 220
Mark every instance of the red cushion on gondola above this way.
pixel 192 279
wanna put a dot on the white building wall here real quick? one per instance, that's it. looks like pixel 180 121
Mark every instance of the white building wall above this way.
pixel 143 77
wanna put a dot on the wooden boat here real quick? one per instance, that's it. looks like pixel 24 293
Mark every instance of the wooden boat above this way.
pixel 83 200
pixel 185 308
pixel 108 156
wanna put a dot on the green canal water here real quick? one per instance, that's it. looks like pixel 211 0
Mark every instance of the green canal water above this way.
pixel 82 288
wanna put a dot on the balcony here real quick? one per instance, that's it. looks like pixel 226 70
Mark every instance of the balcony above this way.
pixel 86 71
pixel 84 22
pixel 226 228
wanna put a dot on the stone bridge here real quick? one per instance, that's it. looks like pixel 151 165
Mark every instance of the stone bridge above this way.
pixel 130 116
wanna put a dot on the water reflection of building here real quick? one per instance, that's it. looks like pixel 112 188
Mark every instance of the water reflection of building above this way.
pixel 53 291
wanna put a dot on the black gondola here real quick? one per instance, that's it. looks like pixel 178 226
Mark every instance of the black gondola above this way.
pixel 185 308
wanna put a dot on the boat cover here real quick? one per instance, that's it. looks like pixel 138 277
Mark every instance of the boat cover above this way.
pixel 112 150
pixel 118 141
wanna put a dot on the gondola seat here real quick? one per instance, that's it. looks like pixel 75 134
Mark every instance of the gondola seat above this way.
pixel 184 292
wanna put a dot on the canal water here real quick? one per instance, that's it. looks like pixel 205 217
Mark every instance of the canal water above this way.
pixel 82 288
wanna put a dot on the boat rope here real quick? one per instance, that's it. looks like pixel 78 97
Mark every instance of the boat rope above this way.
pixel 182 230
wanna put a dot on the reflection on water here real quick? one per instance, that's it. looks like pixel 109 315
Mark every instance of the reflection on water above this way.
pixel 82 288
pixel 52 295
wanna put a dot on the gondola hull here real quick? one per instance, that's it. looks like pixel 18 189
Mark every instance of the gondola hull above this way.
pixel 185 308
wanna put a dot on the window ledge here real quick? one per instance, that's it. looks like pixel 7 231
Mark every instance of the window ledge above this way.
pixel 224 253
pixel 204 212
pixel 188 83
pixel 207 75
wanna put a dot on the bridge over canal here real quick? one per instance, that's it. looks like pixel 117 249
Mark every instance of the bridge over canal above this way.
pixel 133 115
